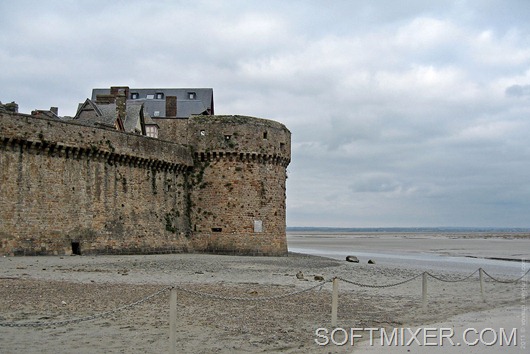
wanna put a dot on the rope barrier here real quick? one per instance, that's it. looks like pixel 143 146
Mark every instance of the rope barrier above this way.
pixel 435 277
pixel 83 319
pixel 506 281
pixel 255 299
pixel 379 286
pixel 452 280
pixel 262 298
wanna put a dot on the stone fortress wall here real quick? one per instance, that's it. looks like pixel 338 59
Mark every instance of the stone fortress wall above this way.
pixel 238 184
pixel 210 184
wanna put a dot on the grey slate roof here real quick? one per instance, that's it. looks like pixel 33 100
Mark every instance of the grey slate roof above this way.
pixel 203 101
pixel 105 114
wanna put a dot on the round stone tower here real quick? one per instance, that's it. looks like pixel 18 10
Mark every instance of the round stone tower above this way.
pixel 237 186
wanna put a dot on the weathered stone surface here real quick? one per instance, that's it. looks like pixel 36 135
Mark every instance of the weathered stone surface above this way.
pixel 238 184
pixel 212 184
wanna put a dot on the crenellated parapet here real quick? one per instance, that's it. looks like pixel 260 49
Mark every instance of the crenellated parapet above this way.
pixel 54 149
pixel 242 157
pixel 240 137
pixel 69 140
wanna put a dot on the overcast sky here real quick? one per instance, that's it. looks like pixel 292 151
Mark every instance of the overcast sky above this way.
pixel 402 113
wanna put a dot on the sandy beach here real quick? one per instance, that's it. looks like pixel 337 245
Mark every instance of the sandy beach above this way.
pixel 51 289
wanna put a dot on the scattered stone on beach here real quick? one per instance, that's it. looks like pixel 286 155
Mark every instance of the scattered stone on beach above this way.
pixel 300 275
pixel 371 262
pixel 352 259
pixel 319 278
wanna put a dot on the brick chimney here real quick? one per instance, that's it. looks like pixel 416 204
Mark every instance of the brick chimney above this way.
pixel 115 90
pixel 171 106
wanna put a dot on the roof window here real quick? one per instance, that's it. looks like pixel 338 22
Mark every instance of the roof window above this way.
pixel 135 96
pixel 192 95
pixel 150 97
pixel 159 96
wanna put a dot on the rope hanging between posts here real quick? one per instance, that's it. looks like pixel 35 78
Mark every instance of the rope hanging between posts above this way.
pixel 262 298
pixel 83 319
pixel 435 277
pixel 255 299
pixel 506 281
pixel 379 286
pixel 451 280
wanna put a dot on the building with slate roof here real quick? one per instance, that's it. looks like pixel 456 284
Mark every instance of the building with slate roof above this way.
pixel 166 102
pixel 114 111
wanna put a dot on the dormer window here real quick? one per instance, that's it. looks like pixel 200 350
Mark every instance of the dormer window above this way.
pixel 135 96
pixel 192 95
pixel 151 130
pixel 159 96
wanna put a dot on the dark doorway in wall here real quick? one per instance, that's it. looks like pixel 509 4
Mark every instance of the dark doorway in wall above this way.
pixel 76 248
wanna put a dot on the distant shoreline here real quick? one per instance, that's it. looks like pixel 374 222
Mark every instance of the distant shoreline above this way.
pixel 407 229
pixel 455 251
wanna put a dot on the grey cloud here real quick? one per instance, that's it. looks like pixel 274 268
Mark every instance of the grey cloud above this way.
pixel 400 112
pixel 518 90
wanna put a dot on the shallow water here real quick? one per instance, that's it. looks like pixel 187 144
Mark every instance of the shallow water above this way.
pixel 463 253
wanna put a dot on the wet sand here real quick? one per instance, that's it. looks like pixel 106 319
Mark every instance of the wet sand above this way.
pixel 500 253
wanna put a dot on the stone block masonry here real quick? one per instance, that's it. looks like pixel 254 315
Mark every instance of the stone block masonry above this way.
pixel 73 189
pixel 238 188
pixel 211 184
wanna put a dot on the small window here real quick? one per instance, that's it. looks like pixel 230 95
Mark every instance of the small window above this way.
pixel 192 95
pixel 159 96
pixel 202 132
pixel 217 229
pixel 282 146
pixel 157 113
pixel 228 137
pixel 135 95
pixel 258 226
pixel 150 97
pixel 151 131
pixel 265 135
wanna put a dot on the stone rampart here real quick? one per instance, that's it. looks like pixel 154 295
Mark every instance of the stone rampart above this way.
pixel 67 188
pixel 209 184
pixel 238 184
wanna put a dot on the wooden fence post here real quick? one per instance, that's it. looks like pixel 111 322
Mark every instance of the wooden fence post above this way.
pixel 173 321
pixel 424 291
pixel 334 302
pixel 481 277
